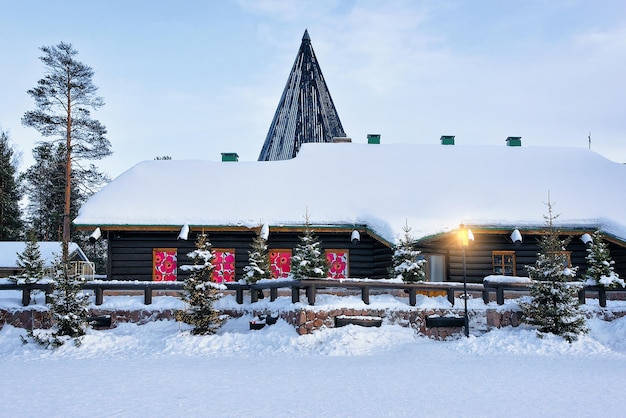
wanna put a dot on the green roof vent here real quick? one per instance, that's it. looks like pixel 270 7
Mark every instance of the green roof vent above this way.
pixel 373 138
pixel 230 156
pixel 447 140
pixel 514 141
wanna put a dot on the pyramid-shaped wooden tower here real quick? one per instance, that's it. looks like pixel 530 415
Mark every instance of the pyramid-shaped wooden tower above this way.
pixel 306 112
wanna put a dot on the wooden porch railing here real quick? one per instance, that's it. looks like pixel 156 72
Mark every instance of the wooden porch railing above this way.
pixel 310 288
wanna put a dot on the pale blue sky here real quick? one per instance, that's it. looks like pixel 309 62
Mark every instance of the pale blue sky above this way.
pixel 192 79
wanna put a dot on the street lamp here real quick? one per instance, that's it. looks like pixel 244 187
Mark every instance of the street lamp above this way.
pixel 465 236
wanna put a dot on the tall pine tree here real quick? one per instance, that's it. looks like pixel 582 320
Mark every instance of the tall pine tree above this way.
pixel 64 100
pixel 406 262
pixel 10 193
pixel 201 292
pixel 554 306
pixel 258 267
pixel 309 259
pixel 600 271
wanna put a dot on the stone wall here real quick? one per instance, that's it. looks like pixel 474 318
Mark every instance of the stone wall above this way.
pixel 28 318
pixel 306 321
pixel 309 319
pixel 37 318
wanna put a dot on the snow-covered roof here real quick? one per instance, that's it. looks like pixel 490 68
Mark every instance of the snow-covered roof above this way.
pixel 49 251
pixel 432 188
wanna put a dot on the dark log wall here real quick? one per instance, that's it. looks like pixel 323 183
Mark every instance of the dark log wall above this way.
pixel 618 254
pixel 381 262
pixel 130 252
pixel 478 256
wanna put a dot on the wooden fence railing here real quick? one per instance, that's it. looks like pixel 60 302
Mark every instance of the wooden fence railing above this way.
pixel 310 288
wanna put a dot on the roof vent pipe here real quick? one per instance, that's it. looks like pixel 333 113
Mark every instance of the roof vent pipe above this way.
pixel 514 141
pixel 373 138
pixel 230 156
pixel 447 140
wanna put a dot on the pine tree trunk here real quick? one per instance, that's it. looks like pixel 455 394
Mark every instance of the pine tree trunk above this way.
pixel 68 179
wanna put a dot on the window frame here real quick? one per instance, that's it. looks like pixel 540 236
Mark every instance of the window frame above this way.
pixel 503 265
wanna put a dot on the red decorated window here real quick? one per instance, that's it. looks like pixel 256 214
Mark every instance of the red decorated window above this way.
pixel 224 263
pixel 280 263
pixel 164 265
pixel 337 263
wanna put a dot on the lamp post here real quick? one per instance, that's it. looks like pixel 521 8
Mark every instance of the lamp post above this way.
pixel 465 236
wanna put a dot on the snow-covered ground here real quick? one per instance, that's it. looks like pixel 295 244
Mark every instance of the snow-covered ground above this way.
pixel 158 370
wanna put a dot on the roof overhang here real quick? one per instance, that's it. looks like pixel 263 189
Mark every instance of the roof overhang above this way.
pixel 343 228
pixel 528 230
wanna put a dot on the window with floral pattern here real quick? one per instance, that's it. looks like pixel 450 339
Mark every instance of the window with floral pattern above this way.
pixel 164 264
pixel 224 263
pixel 337 263
pixel 280 263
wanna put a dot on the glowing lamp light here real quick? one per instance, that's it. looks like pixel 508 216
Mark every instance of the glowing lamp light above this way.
pixel 464 236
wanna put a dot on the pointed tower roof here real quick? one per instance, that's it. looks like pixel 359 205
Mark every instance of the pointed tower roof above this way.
pixel 305 113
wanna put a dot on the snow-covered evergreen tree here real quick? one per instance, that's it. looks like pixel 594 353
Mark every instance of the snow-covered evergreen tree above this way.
pixel 10 191
pixel 200 291
pixel 258 267
pixel 30 262
pixel 554 305
pixel 406 262
pixel 68 308
pixel 600 270
pixel 309 259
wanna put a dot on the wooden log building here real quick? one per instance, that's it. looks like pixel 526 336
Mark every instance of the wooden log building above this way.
pixel 359 196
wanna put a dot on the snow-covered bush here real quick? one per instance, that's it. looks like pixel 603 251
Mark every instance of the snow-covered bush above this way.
pixel 407 263
pixel 600 270
pixel 69 307
pixel 258 267
pixel 200 291
pixel 309 259
pixel 30 262
pixel 554 305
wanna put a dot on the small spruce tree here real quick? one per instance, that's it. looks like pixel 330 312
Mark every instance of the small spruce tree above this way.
pixel 69 307
pixel 258 267
pixel 600 270
pixel 30 262
pixel 200 291
pixel 406 263
pixel 309 259
pixel 554 305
